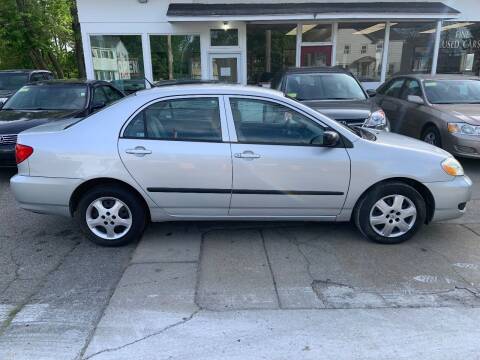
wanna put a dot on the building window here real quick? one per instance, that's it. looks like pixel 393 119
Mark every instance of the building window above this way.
pixel 459 48
pixel 270 48
pixel 316 33
pixel 175 57
pixel 357 49
pixel 119 59
pixel 411 48
pixel 220 37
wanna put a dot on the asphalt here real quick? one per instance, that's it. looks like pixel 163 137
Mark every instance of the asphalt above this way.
pixel 238 291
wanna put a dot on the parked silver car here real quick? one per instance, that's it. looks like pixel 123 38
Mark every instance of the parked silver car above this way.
pixel 443 110
pixel 220 152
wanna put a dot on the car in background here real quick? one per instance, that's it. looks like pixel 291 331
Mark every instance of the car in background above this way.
pixel 130 86
pixel 12 80
pixel 443 110
pixel 334 92
pixel 46 101
pixel 229 152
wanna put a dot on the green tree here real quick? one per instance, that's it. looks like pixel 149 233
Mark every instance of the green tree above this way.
pixel 40 34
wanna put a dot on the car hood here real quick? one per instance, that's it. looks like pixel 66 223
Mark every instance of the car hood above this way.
pixel 344 109
pixel 469 113
pixel 15 121
pixel 405 142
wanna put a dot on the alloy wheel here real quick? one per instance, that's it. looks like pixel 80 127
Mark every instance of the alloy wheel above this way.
pixel 393 216
pixel 431 138
pixel 109 218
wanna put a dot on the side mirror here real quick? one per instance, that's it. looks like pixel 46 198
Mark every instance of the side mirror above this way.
pixel 371 92
pixel 98 105
pixel 415 99
pixel 330 138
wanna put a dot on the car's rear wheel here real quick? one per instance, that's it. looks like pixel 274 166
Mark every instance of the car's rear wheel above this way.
pixel 390 213
pixel 432 136
pixel 111 215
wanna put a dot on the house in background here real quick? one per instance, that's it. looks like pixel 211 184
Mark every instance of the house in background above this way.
pixel 245 41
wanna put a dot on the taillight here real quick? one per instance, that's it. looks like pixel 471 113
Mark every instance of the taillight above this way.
pixel 22 152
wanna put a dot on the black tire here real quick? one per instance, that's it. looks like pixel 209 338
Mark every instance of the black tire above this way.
pixel 365 207
pixel 432 136
pixel 134 211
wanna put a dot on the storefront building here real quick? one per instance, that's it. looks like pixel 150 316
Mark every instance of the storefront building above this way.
pixel 244 42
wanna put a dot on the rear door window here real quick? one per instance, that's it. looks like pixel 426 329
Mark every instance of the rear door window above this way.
pixel 194 119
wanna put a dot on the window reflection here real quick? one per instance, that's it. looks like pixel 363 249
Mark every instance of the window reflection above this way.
pixel 411 48
pixel 460 48
pixel 175 57
pixel 270 48
pixel 359 49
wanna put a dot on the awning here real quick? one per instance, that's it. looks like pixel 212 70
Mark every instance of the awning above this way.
pixel 309 11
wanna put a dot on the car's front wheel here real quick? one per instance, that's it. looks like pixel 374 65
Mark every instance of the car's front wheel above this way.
pixel 432 136
pixel 111 215
pixel 390 213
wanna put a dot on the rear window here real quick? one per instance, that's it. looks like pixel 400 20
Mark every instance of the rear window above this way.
pixel 316 86
pixel 48 98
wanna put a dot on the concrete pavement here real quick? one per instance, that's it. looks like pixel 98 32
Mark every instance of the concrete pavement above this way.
pixel 239 291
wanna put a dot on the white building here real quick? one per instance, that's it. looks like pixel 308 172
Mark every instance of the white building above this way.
pixel 247 41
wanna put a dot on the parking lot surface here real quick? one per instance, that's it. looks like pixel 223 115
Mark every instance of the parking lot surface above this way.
pixel 238 291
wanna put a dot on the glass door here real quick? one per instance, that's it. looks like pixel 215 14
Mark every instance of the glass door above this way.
pixel 225 68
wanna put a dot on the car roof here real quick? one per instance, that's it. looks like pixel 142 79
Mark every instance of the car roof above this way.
pixel 68 82
pixel 440 77
pixel 212 89
pixel 316 69
pixel 23 71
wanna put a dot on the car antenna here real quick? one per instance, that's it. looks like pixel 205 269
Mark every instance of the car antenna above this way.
pixel 150 83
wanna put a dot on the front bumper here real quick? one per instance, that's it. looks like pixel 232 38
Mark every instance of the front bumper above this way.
pixel 463 146
pixel 7 156
pixel 44 195
pixel 450 197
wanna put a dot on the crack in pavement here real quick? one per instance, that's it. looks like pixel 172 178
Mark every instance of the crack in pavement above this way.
pixel 279 302
pixel 156 333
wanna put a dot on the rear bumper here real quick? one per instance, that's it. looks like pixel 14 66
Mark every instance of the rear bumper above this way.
pixel 7 155
pixel 44 195
pixel 450 197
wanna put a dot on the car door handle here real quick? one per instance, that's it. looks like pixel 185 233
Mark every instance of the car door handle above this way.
pixel 247 155
pixel 139 151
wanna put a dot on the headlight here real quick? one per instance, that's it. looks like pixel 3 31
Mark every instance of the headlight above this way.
pixel 452 167
pixel 377 120
pixel 463 129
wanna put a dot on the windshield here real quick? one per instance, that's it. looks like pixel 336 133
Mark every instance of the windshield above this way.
pixel 12 81
pixel 323 87
pixel 48 98
pixel 452 91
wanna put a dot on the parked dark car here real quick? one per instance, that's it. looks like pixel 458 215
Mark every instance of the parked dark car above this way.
pixel 443 110
pixel 41 102
pixel 334 92
pixel 12 80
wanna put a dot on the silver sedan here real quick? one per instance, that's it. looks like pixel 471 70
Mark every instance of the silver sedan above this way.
pixel 220 152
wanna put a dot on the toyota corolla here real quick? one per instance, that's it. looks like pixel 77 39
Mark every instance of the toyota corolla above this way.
pixel 221 152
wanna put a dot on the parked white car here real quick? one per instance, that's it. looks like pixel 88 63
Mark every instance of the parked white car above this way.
pixel 220 152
